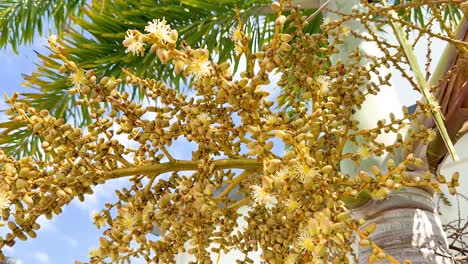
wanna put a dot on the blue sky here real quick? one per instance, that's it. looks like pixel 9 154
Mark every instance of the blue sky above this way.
pixel 12 66
pixel 69 236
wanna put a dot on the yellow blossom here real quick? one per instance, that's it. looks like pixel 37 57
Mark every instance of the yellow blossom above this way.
pixel 133 44
pixel 258 193
pixel 52 39
pixel 434 105
pixel 204 118
pixel 159 30
pixel 293 205
pixel 283 173
pixel 305 173
pixel 431 135
pixel 306 241
pixel 324 84
pixel 344 30
pixel 364 152
pixel 94 253
pixel 77 78
pixel 270 120
pixel 98 220
pixel 238 48
pixel 4 201
pixel 200 67
pixel 261 197
pixel 236 34
pixel 290 259
pixel 127 220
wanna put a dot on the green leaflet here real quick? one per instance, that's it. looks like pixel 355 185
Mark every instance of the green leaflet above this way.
pixel 423 86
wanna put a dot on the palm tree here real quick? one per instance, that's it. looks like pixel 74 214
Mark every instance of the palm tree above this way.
pixel 96 45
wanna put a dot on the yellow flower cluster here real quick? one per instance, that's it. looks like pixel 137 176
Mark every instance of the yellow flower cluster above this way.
pixel 299 195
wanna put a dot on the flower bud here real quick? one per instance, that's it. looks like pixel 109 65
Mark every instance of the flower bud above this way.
pixel 12 226
pixel 270 66
pixel 32 234
pixel 209 189
pixel 289 155
pixel 28 200
pixel 225 66
pixel 285 46
pixel 452 190
pixel 173 36
pixel 243 82
pixel 276 7
pixel 280 21
pixel 455 176
pixel 327 169
pixel 163 55
pixel 285 37
pixel 370 229
pixel 375 170
pixel 178 66
pixel 364 243
pixel 280 134
pixel 313 227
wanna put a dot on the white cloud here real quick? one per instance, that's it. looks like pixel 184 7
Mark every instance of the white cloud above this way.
pixel 101 194
pixel 70 241
pixel 41 257
pixel 41 42
pixel 47 225
pixel 8 250
pixel 3 117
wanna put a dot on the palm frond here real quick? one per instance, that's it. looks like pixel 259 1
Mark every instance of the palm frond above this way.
pixel 20 20
pixel 450 13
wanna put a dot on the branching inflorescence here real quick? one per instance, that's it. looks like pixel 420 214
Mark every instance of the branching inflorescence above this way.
pixel 299 199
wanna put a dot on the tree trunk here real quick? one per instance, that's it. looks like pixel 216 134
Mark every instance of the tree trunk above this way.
pixel 408 227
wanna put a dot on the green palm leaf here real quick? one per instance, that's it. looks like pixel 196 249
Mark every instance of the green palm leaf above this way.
pixel 20 20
